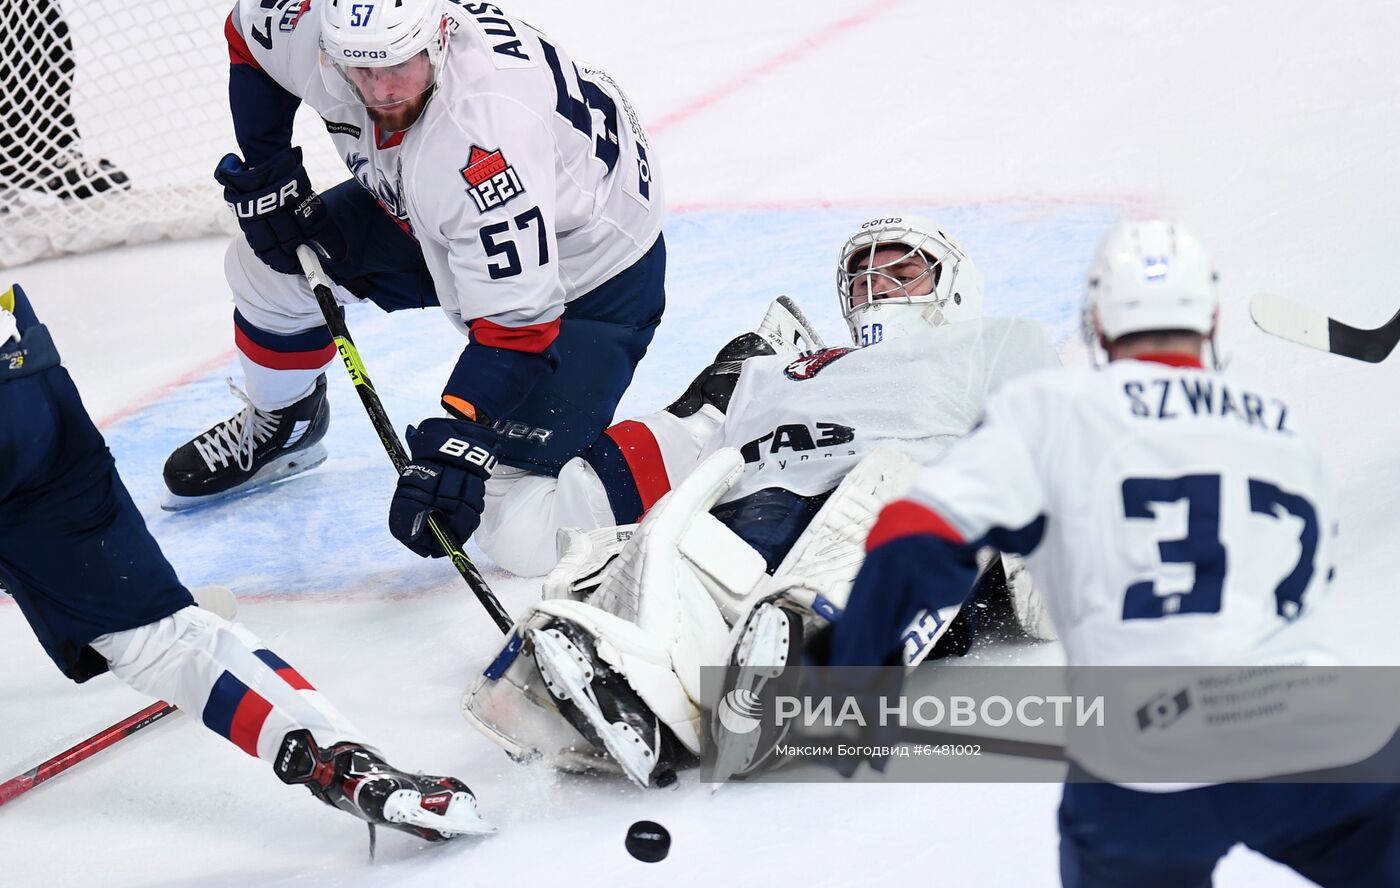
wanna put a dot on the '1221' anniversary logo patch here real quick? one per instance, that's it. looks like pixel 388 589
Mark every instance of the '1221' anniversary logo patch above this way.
pixel 490 180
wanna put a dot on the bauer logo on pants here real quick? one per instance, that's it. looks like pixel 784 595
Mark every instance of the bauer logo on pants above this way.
pixel 492 182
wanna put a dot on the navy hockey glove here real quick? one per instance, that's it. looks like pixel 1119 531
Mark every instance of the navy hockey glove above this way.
pixel 451 460
pixel 277 209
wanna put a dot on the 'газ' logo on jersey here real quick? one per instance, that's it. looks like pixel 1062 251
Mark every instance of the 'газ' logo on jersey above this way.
pixel 492 182
pixel 800 439
pixel 808 366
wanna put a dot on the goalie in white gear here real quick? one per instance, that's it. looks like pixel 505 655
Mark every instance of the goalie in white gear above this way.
pixel 784 491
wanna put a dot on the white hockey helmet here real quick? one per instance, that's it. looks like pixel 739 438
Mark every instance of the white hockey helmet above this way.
pixel 364 43
pixel 1150 276
pixel 902 273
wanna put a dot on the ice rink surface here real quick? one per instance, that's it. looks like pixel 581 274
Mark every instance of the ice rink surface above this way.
pixel 1026 127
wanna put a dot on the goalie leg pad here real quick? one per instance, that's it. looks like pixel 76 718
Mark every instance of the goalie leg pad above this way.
pixel 567 665
pixel 829 553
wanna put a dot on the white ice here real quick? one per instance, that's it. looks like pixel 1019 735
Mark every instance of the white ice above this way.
pixel 1028 126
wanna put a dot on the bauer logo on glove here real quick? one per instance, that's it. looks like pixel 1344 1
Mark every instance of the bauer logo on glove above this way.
pixel 452 460
pixel 264 204
pixel 469 453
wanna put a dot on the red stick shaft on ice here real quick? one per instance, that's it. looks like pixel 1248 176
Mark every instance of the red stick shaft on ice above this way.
pixel 84 749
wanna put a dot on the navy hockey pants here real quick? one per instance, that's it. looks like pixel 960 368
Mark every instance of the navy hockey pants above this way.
pixel 74 551
pixel 602 337
pixel 1335 834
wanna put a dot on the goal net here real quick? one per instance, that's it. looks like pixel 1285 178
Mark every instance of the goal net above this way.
pixel 112 117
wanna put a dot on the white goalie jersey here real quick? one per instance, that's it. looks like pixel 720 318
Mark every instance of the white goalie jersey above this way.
pixel 803 424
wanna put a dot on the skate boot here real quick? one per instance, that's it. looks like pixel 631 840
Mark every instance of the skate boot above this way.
pixel 77 177
pixel 764 664
pixel 784 330
pixel 249 449
pixel 603 707
pixel 352 778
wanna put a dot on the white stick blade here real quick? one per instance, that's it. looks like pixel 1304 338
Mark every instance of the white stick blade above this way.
pixel 1282 317
pixel 218 599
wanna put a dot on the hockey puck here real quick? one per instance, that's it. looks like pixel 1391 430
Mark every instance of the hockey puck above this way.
pixel 648 841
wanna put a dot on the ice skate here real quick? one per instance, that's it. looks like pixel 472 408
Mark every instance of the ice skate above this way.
pixel 250 449
pixel 356 780
pixel 784 330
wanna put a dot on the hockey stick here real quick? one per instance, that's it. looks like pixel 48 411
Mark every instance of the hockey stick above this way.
pixel 218 599
pixel 1289 320
pixel 83 750
pixel 379 418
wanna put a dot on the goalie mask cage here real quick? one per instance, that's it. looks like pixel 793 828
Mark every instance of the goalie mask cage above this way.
pixel 142 87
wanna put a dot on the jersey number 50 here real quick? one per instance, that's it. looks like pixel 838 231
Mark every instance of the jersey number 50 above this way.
pixel 1202 548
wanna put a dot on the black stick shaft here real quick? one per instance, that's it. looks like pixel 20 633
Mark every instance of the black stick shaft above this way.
pixel 379 418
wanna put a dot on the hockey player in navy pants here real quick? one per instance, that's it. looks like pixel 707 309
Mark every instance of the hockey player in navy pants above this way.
pixel 100 596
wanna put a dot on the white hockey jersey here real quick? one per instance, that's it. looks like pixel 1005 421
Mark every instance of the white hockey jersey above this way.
pixel 1176 519
pixel 803 424
pixel 527 181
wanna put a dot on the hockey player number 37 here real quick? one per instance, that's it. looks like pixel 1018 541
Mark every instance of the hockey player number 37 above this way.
pixel 1203 549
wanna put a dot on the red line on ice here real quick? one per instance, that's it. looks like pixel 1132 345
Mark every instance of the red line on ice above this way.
pixel 159 393
pixel 797 51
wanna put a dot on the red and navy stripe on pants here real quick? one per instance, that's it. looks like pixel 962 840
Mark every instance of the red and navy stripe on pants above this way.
pixel 238 712
pixel 307 350
pixel 628 461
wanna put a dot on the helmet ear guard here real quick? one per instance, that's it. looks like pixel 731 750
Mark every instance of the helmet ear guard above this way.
pixel 887 312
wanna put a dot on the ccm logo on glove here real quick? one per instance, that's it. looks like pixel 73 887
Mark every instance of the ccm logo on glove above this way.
pixel 469 453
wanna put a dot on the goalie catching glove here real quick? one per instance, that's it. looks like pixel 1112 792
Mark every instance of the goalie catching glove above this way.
pixel 277 209
pixel 451 462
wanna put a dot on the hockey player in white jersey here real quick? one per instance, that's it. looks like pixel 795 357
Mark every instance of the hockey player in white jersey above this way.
pixel 100 596
pixel 493 177
pixel 809 448
pixel 1175 518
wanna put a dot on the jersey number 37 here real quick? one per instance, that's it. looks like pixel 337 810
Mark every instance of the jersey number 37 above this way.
pixel 1202 546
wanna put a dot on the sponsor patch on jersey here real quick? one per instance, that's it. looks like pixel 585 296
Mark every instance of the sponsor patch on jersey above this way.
pixel 344 129
pixel 808 366
pixel 491 181
pixel 292 15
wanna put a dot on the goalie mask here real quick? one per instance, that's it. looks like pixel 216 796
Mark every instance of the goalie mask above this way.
pixel 901 274
pixel 386 57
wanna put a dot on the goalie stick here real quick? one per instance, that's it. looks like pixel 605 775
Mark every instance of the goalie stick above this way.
pixel 218 599
pixel 1286 319
pixel 379 418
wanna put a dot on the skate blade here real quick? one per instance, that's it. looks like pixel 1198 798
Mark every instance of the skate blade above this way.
pixel 567 674
pixel 761 655
pixel 284 466
pixel 787 329
pixel 461 819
